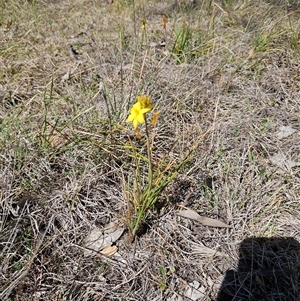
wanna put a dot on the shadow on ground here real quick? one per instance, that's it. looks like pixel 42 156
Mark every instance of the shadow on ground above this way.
pixel 268 269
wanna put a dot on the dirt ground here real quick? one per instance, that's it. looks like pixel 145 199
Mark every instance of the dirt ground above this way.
pixel 223 75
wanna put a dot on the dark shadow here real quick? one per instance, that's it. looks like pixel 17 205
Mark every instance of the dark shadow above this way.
pixel 268 269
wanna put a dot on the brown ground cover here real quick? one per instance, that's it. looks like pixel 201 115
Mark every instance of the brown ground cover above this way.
pixel 70 71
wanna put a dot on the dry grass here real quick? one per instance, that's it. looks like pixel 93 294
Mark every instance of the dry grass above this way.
pixel 69 71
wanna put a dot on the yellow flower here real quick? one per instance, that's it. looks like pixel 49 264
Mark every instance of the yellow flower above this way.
pixel 164 21
pixel 142 106
pixel 154 119
pixel 145 102
pixel 143 24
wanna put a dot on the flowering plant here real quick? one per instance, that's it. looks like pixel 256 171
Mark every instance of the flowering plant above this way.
pixel 141 198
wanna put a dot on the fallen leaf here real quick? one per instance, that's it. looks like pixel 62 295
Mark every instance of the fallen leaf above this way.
pixel 206 221
pixel 66 76
pixel 174 297
pixel 109 251
pixel 193 292
pixel 285 131
pixel 159 44
pixel 281 161
pixel 99 239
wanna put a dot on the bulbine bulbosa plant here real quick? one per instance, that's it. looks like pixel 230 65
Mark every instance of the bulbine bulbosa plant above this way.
pixel 145 190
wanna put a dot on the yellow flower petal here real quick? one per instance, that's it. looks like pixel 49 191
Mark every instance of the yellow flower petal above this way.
pixel 143 111
pixel 141 107
pixel 137 106
pixel 135 123
pixel 129 118
pixel 140 118
pixel 138 134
